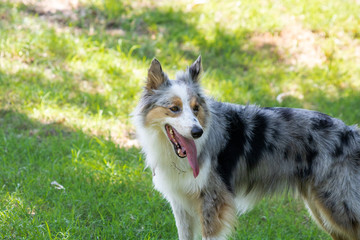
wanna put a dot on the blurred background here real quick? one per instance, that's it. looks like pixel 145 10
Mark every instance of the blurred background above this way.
pixel 71 72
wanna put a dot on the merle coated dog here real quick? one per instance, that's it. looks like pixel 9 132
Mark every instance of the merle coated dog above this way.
pixel 212 160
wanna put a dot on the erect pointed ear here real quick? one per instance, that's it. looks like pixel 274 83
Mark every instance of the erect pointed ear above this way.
pixel 155 75
pixel 195 69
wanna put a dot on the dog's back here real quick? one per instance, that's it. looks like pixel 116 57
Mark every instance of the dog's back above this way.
pixel 269 149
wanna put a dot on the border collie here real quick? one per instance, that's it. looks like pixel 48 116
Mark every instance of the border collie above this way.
pixel 213 160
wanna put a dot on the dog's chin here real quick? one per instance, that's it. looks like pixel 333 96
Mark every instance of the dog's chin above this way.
pixel 184 147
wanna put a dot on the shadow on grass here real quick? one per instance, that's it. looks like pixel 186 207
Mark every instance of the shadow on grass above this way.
pixel 165 32
pixel 106 188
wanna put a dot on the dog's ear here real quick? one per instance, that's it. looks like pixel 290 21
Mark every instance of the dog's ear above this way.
pixel 195 69
pixel 155 75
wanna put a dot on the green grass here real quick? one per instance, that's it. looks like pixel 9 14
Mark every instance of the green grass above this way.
pixel 69 80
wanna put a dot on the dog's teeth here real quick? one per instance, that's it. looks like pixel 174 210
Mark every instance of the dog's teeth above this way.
pixel 171 131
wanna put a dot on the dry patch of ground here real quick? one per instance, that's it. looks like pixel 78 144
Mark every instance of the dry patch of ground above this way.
pixel 52 6
pixel 294 44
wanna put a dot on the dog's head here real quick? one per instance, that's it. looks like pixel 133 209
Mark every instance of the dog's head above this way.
pixel 177 108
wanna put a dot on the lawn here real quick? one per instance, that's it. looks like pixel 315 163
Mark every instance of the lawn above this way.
pixel 71 73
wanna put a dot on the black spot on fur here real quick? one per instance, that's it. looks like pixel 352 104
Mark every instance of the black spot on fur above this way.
pixel 326 199
pixel 325 195
pixel 303 172
pixel 257 142
pixel 321 121
pixel 310 138
pixel 331 205
pixel 286 113
pixel 346 208
pixel 310 154
pixel 298 158
pixel 356 158
pixel 229 156
pixel 304 169
pixel 338 151
pixel 286 153
pixel 270 147
pixel 345 137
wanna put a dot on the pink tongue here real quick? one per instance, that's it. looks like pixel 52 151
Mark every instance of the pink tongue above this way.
pixel 191 153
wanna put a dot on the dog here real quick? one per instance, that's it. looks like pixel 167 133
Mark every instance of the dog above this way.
pixel 213 160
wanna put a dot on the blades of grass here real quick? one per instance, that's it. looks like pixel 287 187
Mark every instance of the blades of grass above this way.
pixel 132 49
pixel 48 229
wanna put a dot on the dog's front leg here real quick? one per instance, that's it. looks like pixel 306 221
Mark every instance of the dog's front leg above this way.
pixel 184 222
pixel 218 216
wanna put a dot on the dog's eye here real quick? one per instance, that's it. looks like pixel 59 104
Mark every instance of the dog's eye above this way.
pixel 175 109
pixel 196 108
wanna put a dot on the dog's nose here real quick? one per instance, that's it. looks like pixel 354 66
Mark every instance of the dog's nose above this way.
pixel 196 132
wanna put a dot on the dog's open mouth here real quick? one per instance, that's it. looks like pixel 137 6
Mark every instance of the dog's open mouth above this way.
pixel 174 139
pixel 184 147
